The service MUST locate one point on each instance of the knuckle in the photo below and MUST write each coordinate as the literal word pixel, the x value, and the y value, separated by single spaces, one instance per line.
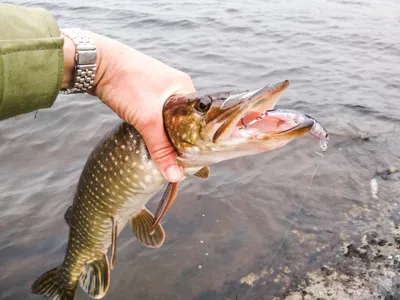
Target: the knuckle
pixel 163 152
pixel 187 79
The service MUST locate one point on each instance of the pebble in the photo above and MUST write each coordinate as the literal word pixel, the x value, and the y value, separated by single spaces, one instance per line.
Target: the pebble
pixel 374 188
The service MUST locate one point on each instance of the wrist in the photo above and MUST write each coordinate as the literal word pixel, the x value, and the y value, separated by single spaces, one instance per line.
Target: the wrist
pixel 97 40
pixel 81 61
pixel 69 61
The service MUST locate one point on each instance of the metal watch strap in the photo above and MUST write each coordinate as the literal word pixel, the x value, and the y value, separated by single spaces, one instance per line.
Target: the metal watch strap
pixel 85 61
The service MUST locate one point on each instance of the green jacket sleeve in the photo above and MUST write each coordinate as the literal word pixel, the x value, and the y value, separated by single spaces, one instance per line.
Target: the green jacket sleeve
pixel 31 60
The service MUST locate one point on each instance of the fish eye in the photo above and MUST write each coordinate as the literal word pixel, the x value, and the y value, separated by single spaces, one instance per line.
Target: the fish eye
pixel 202 105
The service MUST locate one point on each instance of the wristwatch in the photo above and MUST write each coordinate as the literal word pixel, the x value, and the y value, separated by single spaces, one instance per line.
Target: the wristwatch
pixel 85 61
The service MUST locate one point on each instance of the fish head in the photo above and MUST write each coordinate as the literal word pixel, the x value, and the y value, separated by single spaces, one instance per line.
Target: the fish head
pixel 206 129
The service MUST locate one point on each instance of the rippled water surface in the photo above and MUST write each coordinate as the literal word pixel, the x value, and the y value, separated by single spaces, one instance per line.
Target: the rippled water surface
pixel 342 60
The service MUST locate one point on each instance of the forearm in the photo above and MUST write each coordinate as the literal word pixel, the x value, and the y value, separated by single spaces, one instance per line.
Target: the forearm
pixel 31 60
pixel 69 61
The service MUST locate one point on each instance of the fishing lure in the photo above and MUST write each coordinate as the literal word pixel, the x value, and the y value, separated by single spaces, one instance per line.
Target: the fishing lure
pixel 318 131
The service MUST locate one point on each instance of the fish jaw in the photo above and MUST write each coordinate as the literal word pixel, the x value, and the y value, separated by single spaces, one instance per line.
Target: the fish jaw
pixel 244 143
pixel 207 129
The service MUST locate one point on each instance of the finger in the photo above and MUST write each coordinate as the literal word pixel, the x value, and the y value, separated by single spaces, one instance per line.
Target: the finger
pixel 162 152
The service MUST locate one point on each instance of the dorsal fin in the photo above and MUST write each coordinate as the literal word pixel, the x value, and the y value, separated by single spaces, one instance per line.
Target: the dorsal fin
pixel 68 216
pixel 95 280
pixel 203 173
pixel 141 226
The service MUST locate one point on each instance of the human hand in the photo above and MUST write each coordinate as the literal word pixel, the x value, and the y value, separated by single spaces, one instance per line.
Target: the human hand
pixel 135 86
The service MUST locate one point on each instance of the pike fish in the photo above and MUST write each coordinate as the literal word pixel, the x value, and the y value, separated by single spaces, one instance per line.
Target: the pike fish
pixel 119 178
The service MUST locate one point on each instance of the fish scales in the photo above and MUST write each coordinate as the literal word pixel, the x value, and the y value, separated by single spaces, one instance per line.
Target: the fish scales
pixel 107 188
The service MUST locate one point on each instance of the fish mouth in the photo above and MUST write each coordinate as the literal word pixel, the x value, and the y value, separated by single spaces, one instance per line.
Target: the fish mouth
pixel 248 118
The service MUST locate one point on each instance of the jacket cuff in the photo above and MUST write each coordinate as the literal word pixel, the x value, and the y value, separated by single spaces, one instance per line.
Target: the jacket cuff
pixel 31 60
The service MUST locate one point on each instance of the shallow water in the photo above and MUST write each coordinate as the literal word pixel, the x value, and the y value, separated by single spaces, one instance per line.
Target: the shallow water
pixel 341 58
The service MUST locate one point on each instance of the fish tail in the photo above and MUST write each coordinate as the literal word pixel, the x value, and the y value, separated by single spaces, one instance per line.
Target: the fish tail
pixel 51 286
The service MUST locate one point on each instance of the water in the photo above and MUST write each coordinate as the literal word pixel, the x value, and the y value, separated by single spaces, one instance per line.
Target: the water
pixel 341 58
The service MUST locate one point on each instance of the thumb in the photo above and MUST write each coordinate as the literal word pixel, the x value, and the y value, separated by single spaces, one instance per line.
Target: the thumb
pixel 162 152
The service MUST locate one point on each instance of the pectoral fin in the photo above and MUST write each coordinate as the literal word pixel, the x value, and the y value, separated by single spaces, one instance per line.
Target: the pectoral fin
pixel 114 233
pixel 203 173
pixel 68 215
pixel 141 226
pixel 166 201
pixel 95 279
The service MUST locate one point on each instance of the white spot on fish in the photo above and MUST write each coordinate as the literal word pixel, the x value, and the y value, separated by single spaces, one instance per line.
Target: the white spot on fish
pixel 135 176
pixel 141 167
pixel 206 254
pixel 126 158
pixel 201 242
pixel 147 178
pixel 374 188
pixel 121 171
pixel 203 215
pixel 200 266
pixel 137 151
pixel 122 146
